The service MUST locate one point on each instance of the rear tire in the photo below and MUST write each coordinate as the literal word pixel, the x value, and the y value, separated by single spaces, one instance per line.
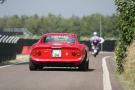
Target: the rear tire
pixel 84 66
pixel 32 66
pixel 87 65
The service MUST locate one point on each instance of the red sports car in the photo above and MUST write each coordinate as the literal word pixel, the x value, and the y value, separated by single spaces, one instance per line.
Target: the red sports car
pixel 59 50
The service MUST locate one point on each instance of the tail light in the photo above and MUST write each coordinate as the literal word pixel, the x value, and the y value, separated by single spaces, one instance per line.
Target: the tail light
pixel 76 53
pixel 73 53
pixel 36 53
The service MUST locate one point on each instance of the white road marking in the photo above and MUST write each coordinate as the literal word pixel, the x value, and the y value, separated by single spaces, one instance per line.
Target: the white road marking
pixel 12 64
pixel 6 66
pixel 106 77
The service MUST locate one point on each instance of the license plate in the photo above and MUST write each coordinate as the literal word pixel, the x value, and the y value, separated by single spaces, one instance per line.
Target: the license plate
pixel 56 53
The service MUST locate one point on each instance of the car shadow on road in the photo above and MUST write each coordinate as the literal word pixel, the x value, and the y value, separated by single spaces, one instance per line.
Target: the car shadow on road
pixel 64 69
pixel 68 69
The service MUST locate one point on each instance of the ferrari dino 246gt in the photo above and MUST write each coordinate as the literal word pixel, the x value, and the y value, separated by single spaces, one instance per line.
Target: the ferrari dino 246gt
pixel 59 50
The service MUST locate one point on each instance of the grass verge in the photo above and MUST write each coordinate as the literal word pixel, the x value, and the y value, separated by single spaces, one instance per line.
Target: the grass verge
pixel 127 78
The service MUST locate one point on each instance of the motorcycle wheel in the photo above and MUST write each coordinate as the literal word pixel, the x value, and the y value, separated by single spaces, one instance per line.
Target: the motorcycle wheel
pixel 95 55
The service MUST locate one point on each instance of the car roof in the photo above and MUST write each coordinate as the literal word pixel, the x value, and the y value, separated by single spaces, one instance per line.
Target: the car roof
pixel 53 34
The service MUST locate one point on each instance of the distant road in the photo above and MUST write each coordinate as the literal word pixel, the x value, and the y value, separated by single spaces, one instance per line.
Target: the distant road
pixel 18 77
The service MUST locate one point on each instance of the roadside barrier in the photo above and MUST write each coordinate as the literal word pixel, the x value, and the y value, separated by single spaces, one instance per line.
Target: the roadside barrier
pixel 108 45
pixel 26 50
pixel 24 45
pixel 8 47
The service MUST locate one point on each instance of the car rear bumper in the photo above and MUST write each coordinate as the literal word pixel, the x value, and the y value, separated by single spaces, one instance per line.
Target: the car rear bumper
pixel 57 62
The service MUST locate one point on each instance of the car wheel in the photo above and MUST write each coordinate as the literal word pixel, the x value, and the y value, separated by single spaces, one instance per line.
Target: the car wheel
pixel 87 65
pixel 84 66
pixel 32 66
pixel 95 55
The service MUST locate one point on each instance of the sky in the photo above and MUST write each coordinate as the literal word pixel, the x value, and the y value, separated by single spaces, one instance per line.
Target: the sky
pixel 66 8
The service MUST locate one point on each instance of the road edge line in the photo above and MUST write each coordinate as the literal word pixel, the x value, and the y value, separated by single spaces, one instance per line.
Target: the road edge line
pixel 12 65
pixel 5 66
pixel 106 76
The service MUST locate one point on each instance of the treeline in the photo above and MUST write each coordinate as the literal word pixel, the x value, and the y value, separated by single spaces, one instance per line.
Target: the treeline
pixel 83 26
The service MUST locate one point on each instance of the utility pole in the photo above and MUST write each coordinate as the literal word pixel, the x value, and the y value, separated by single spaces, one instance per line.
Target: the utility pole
pixel 100 26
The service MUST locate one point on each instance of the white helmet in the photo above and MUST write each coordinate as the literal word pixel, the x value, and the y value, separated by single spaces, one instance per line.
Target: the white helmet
pixel 94 33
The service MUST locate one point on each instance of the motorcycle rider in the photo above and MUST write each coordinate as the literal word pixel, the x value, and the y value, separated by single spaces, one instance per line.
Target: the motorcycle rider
pixel 96 38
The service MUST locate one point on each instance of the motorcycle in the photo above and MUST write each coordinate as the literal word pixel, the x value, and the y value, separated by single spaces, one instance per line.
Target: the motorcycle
pixel 95 48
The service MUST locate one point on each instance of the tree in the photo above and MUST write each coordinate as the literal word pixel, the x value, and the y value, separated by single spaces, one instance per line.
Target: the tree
pixel 126 10
pixel 13 22
pixel 83 26
pixel 3 23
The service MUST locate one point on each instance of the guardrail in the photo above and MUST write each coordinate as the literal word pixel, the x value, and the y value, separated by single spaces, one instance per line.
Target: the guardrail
pixel 8 48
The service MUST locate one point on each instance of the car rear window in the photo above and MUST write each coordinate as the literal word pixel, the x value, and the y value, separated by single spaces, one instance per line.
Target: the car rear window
pixel 59 39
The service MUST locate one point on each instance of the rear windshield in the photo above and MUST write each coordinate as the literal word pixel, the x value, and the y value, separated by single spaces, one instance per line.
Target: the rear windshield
pixel 59 39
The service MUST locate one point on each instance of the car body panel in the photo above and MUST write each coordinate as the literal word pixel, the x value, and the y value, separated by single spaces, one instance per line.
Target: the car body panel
pixel 59 52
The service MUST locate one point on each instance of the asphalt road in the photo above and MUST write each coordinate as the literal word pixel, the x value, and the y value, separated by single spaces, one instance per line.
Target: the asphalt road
pixel 18 77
